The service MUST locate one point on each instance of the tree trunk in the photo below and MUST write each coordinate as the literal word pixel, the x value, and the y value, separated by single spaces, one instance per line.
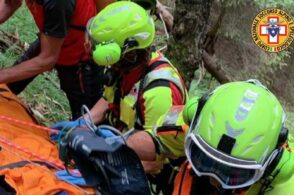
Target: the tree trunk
pixel 189 30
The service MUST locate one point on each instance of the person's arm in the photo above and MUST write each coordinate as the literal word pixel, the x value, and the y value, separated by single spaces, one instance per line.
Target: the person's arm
pixel 57 18
pixel 50 48
pixel 158 99
pixel 7 8
pixel 142 143
pixel 98 111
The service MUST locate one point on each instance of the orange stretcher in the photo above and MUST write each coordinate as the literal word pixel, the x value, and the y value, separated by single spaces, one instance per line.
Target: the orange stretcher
pixel 28 158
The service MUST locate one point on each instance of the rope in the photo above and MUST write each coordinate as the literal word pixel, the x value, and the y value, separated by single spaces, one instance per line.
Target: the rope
pixel 90 124
pixel 58 165
pixel 12 120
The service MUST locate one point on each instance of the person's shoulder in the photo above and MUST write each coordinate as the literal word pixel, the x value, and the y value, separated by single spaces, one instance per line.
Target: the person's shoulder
pixel 284 181
pixel 286 188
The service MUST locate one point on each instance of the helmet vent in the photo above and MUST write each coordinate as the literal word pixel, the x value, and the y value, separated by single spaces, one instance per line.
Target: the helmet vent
pixel 247 149
pixel 108 29
pixel 211 124
pixel 101 19
pixel 138 17
pixel 276 110
pixel 142 35
pixel 247 103
pixel 232 131
pixel 95 26
pixel 257 139
pixel 132 23
pixel 150 21
pixel 212 119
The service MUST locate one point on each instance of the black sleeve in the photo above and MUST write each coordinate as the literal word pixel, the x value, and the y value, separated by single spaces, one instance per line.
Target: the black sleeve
pixel 57 17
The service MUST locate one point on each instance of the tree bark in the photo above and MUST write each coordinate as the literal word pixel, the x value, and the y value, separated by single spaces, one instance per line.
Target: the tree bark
pixel 161 11
pixel 189 30
pixel 216 71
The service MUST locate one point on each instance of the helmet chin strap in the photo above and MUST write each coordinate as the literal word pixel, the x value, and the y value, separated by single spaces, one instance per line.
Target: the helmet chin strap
pixel 125 65
pixel 140 57
pixel 131 61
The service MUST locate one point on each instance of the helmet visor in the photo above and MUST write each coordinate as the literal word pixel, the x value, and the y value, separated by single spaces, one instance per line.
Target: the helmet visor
pixel 230 172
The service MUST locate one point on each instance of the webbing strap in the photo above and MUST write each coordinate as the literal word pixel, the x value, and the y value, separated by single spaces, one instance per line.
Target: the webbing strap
pixel 24 163
pixel 139 117
pixel 78 28
pixel 149 77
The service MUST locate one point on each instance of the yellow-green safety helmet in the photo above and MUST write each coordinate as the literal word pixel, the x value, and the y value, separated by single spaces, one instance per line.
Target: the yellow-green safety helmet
pixel 119 28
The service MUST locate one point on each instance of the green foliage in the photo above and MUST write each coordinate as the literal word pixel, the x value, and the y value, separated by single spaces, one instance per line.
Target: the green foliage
pixel 236 3
pixel 278 60
pixel 22 25
pixel 8 57
pixel 261 4
pixel 237 31
pixel 47 101
pixel 290 121
pixel 283 4
pixel 243 35
pixel 160 38
pixel 202 84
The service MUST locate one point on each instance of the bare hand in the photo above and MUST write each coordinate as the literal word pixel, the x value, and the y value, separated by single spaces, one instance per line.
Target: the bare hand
pixel 152 166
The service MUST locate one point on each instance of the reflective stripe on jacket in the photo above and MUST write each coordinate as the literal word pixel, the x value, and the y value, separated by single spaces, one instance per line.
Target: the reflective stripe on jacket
pixel 127 104
pixel 169 133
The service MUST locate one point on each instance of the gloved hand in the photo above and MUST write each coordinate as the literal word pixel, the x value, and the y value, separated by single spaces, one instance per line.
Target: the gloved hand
pixel 104 132
pixel 66 125
pixel 64 176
